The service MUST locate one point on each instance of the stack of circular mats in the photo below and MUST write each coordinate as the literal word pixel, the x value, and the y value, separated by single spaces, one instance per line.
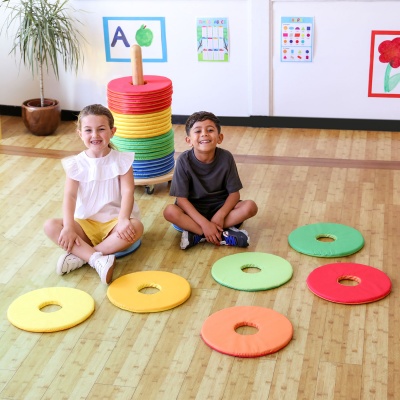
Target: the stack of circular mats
pixel 142 115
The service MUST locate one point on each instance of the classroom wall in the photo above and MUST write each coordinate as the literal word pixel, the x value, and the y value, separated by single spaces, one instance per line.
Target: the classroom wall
pixel 335 84
pixel 254 82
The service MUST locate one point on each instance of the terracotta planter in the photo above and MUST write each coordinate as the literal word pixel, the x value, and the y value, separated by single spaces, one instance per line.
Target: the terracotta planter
pixel 41 121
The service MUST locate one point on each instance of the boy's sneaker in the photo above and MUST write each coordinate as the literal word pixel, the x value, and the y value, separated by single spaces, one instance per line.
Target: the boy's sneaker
pixel 68 262
pixel 190 239
pixel 104 266
pixel 235 237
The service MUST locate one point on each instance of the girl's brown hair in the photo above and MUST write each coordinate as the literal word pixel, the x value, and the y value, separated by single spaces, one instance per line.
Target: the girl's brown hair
pixel 95 109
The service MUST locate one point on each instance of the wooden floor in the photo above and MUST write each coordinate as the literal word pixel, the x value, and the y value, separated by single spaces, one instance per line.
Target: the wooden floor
pixel 297 177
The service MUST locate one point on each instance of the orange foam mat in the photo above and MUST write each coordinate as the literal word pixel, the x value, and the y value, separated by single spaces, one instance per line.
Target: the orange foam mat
pixel 274 331
pixel 125 292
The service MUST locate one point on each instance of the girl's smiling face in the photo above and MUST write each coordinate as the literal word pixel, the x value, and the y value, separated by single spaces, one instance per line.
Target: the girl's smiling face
pixel 96 134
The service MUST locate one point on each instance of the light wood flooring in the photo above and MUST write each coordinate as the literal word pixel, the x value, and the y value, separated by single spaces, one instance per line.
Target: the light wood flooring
pixel 297 177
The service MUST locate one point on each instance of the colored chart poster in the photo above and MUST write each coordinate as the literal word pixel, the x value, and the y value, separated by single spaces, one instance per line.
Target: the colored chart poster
pixel 297 36
pixel 212 39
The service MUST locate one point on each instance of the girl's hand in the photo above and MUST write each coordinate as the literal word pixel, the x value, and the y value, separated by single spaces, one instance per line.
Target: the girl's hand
pixel 68 239
pixel 125 230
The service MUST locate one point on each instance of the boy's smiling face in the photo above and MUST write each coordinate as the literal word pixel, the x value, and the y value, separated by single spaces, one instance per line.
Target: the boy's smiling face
pixel 204 138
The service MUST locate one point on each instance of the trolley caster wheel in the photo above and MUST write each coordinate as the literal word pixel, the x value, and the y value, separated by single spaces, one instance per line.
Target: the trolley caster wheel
pixel 149 189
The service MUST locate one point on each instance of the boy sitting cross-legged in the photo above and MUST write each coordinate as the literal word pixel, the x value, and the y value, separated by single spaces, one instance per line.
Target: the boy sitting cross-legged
pixel 206 185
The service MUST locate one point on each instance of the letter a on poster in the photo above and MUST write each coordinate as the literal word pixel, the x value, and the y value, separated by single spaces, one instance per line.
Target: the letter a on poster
pixel 297 36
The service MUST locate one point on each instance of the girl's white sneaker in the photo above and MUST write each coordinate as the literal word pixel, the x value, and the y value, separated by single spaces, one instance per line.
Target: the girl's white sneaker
pixel 104 266
pixel 68 262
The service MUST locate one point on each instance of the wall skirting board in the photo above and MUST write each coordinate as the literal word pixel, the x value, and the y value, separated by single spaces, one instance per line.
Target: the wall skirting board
pixel 263 121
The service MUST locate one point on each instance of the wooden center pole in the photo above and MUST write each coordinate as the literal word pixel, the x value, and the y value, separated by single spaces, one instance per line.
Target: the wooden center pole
pixel 137 66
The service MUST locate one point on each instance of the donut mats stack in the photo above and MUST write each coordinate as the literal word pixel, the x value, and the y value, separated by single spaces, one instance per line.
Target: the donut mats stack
pixel 141 106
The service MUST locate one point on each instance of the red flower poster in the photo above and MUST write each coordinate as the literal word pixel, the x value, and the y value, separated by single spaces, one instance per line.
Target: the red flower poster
pixel 384 67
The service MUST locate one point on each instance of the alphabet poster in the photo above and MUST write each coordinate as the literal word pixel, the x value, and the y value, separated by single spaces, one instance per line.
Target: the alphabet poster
pixel 120 33
pixel 297 36
pixel 212 39
pixel 384 67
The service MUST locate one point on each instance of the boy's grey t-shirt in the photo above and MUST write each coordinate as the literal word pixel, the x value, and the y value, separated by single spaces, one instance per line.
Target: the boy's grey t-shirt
pixel 205 185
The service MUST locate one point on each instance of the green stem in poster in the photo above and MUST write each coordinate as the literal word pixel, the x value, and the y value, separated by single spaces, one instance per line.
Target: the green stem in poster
pixel 390 82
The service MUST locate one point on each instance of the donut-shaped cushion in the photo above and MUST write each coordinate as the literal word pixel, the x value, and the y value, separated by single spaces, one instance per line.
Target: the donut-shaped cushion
pixel 136 98
pixel 25 311
pixel 125 128
pixel 274 331
pixel 345 240
pixel 133 247
pixel 142 103
pixel 124 292
pixel 176 227
pixel 143 118
pixel 147 133
pixel 146 169
pixel 155 155
pixel 154 96
pixel 230 271
pixel 147 143
pixel 147 148
pixel 152 83
pixel 372 283
pixel 144 109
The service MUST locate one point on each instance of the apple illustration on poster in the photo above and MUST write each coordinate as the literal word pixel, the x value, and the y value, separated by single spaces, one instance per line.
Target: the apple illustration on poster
pixel 144 36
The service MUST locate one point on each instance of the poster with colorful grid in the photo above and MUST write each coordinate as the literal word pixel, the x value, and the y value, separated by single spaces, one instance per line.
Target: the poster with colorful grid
pixel 297 36
pixel 212 39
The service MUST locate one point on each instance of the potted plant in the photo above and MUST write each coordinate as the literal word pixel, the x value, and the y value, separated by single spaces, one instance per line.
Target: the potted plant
pixel 45 36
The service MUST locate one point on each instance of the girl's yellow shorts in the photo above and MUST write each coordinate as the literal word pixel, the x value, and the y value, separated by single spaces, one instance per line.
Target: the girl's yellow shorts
pixel 96 231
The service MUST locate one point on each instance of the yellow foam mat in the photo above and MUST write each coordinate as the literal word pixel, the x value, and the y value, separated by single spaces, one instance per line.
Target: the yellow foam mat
pixel 149 117
pixel 127 134
pixel 165 127
pixel 143 126
pixel 125 292
pixel 25 311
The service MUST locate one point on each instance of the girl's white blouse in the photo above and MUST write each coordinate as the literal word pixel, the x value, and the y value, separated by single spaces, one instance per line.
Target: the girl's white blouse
pixel 99 192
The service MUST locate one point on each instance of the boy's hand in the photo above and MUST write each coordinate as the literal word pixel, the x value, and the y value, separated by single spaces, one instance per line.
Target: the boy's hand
pixel 212 232
pixel 125 230
pixel 68 238
pixel 218 220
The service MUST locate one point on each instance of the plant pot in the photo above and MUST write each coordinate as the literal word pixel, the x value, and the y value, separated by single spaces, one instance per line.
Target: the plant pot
pixel 41 121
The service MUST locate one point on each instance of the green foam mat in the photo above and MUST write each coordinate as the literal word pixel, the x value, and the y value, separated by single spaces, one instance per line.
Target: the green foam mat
pixel 311 240
pixel 273 271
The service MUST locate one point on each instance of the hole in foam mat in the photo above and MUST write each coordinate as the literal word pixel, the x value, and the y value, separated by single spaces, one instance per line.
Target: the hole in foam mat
pixel 250 268
pixel 326 238
pixel 349 280
pixel 50 307
pixel 149 288
pixel 246 329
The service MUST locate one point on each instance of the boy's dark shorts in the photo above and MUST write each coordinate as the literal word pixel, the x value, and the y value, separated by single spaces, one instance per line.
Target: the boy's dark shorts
pixel 210 210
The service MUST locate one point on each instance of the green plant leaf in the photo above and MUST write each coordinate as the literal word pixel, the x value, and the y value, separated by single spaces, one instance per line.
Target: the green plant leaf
pixel 46 36
pixel 393 81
